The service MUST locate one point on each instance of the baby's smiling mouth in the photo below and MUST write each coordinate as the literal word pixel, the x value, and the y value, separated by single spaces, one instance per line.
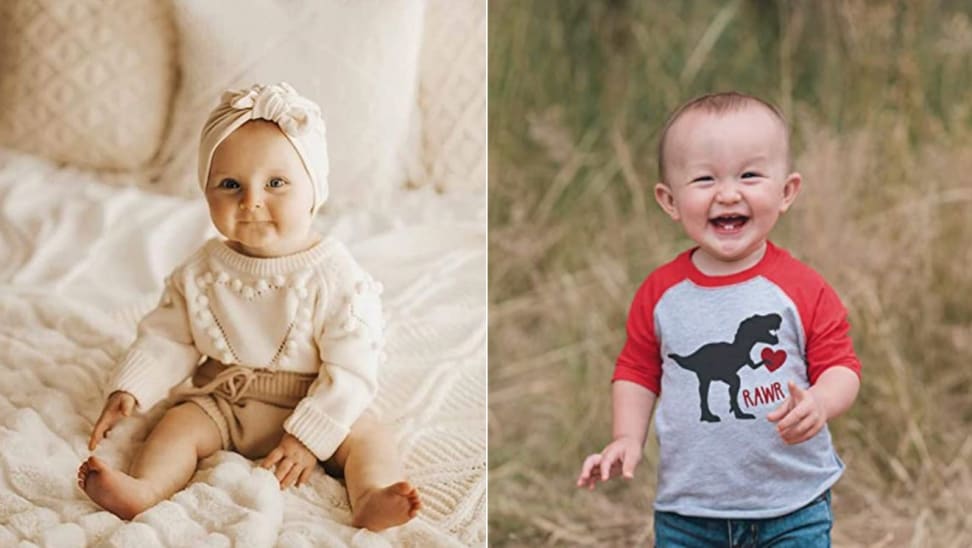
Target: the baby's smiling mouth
pixel 729 224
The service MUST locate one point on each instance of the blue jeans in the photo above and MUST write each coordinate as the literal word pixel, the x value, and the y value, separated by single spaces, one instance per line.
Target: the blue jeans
pixel 807 527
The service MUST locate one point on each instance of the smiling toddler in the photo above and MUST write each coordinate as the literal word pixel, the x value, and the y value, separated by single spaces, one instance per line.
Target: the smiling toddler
pixel 745 349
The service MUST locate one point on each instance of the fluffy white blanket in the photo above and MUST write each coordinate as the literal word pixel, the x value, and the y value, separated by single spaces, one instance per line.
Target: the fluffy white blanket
pixel 70 294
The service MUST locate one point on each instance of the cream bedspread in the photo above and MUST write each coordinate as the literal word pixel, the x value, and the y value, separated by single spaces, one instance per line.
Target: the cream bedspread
pixel 81 261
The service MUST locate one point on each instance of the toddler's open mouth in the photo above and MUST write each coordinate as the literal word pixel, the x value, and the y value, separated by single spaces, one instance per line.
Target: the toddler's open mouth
pixel 728 224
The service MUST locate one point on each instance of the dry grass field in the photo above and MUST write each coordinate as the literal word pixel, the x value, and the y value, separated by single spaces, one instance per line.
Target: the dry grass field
pixel 879 94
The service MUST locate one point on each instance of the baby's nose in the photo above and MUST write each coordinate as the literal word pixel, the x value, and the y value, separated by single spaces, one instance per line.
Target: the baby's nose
pixel 251 200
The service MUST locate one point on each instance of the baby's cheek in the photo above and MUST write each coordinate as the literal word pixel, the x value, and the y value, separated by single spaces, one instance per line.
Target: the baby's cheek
pixel 220 217
pixel 295 220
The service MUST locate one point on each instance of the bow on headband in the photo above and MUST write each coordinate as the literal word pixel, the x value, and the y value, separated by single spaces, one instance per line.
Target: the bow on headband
pixel 279 103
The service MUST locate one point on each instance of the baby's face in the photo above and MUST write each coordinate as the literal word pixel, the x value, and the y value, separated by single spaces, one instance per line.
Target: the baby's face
pixel 259 194
pixel 727 183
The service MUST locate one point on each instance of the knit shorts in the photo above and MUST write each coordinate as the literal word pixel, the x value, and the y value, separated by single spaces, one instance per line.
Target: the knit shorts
pixel 249 406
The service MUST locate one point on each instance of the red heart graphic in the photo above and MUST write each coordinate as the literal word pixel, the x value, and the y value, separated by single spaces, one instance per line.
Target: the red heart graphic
pixel 773 358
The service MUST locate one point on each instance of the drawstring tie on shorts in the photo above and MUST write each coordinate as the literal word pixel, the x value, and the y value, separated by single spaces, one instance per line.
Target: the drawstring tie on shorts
pixel 237 379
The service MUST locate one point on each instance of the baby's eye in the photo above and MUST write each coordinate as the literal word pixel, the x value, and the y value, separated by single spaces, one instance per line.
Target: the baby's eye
pixel 276 182
pixel 703 179
pixel 228 183
pixel 750 175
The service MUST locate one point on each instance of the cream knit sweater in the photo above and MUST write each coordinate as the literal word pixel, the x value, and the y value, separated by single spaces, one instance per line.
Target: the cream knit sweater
pixel 316 311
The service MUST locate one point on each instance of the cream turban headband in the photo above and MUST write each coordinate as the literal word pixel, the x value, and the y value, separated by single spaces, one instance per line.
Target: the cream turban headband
pixel 298 117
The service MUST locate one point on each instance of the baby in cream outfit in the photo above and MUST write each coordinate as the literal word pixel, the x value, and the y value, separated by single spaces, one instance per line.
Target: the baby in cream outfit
pixel 278 326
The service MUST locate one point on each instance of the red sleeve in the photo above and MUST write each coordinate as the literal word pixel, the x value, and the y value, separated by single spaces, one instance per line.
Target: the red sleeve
pixel 824 318
pixel 828 336
pixel 640 361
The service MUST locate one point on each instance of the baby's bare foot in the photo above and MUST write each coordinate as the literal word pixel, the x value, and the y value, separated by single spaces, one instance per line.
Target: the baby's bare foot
pixel 114 490
pixel 381 508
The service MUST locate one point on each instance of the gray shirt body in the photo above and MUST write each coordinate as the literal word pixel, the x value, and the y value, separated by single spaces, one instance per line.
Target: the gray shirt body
pixel 736 467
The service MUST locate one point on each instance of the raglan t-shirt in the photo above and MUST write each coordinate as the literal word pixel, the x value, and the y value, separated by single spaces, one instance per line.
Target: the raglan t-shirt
pixel 719 352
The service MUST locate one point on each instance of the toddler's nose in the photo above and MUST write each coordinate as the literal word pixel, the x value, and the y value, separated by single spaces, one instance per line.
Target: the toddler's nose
pixel 728 193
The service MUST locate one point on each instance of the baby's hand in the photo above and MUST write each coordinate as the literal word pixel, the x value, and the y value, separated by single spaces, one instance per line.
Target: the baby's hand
pixel 119 405
pixel 293 460
pixel 800 417
pixel 620 457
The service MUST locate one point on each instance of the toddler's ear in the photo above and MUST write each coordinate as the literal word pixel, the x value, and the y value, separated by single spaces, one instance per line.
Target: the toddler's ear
pixel 665 198
pixel 791 187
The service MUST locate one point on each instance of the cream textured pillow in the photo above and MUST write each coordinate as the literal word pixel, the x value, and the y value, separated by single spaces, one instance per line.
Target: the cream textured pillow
pixel 452 94
pixel 86 82
pixel 358 60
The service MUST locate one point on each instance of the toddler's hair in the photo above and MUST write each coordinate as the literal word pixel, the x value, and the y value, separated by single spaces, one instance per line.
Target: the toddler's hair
pixel 718 103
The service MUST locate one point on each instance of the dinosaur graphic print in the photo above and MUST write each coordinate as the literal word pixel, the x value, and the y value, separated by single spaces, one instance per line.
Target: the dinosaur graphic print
pixel 721 361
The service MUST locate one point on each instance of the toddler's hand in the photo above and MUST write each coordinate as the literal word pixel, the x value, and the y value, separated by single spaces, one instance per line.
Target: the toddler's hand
pixel 119 405
pixel 620 457
pixel 293 460
pixel 800 417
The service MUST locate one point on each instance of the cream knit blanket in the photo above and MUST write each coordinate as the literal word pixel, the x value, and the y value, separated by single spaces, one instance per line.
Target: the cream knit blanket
pixel 55 356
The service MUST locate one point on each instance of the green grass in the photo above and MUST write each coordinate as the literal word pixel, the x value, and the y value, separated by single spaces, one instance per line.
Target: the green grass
pixel 878 97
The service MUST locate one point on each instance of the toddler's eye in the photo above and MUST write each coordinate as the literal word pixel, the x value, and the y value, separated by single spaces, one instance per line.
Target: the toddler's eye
pixel 276 182
pixel 228 183
pixel 750 175
pixel 703 179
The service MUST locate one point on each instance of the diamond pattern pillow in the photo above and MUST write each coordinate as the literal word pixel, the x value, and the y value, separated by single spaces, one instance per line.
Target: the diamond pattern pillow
pixel 86 82
pixel 358 60
pixel 452 94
